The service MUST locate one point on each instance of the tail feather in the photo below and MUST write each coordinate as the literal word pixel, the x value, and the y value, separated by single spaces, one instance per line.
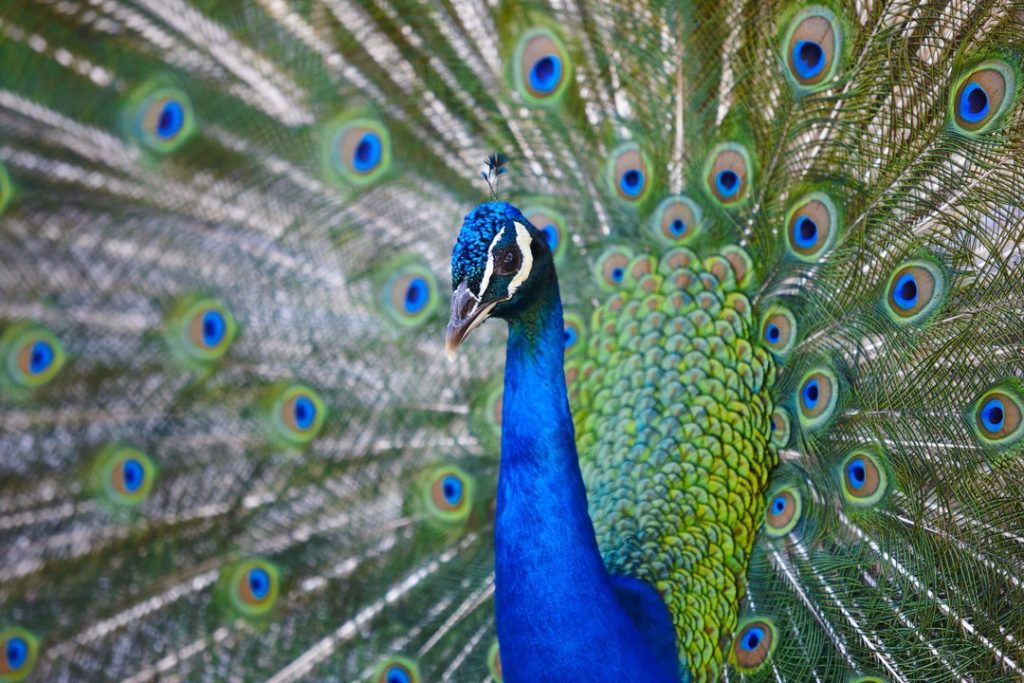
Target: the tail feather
pixel 299 169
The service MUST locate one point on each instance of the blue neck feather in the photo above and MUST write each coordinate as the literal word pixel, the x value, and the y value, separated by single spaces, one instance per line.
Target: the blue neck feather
pixel 560 614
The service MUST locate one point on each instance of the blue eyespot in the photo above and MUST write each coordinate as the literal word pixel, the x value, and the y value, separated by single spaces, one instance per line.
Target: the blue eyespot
pixel 632 182
pixel 993 415
pixel 541 68
pixel 398 674
pixel 806 232
pixel 305 412
pixel 16 652
pixel 808 58
pixel 367 153
pixel 451 487
pixel 727 182
pixel 904 292
pixel 618 274
pixel 857 474
pixel 546 74
pixel 448 493
pixel 254 586
pixel 628 173
pixel 677 227
pixel 754 643
pixel 550 233
pixel 779 504
pixel 170 120
pixel 397 670
pixel 40 357
pixel 133 475
pixel 752 638
pixel 772 333
pixel 973 105
pixel 783 512
pixel 982 96
pixel 417 294
pixel 810 394
pixel 570 336
pixel 214 327
pixel 259 583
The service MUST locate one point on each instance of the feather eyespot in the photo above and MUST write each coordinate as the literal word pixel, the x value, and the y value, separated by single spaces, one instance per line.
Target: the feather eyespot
pixel 125 475
pixel 677 221
pixel 254 586
pixel 728 173
pixel 982 95
pixel 915 291
pixel 628 173
pixel 19 649
pixel 780 428
pixel 494 662
pixel 863 477
pixel 163 118
pixel 782 512
pixel 996 416
pixel 551 225
pixel 359 150
pixel 207 330
pixel 778 330
pixel 297 415
pixel 542 68
pixel 449 494
pixel 611 267
pixel 753 644
pixel 410 295
pixel 812 48
pixel 397 670
pixel 574 332
pixel 34 355
pixel 817 397
pixel 492 407
pixel 812 227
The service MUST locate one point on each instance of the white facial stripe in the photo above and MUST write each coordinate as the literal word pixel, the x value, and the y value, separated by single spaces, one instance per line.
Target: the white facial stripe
pixel 523 241
pixel 489 268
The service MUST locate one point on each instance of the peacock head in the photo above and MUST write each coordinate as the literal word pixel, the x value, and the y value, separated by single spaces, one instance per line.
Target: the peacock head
pixel 498 262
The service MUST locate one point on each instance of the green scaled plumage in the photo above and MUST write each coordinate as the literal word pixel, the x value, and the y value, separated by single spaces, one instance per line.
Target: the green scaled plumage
pixel 299 169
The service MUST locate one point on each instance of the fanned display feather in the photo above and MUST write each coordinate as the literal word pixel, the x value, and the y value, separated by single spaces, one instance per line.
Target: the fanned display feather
pixel 789 242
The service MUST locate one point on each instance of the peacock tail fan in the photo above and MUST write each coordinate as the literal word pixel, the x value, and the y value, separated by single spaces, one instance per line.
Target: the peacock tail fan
pixel 789 242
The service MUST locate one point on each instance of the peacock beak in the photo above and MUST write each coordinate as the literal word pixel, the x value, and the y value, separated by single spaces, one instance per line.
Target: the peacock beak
pixel 467 313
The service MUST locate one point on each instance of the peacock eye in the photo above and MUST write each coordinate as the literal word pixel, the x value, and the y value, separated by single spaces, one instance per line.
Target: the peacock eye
pixel 126 475
pixel 864 479
pixel 18 651
pixel 449 494
pixel 753 644
pixel 494 662
pixel 812 227
pixel 254 586
pixel 812 48
pixel 982 96
pixel 397 670
pixel 783 512
pixel 508 261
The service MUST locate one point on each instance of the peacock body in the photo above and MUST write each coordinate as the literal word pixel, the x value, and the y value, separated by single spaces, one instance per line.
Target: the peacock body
pixel 764 424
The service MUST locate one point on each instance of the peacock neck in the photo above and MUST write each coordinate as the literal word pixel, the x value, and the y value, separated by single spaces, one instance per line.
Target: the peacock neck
pixel 542 503
pixel 560 615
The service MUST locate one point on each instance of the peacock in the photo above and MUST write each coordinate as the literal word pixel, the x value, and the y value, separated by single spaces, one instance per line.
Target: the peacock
pixel 749 408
